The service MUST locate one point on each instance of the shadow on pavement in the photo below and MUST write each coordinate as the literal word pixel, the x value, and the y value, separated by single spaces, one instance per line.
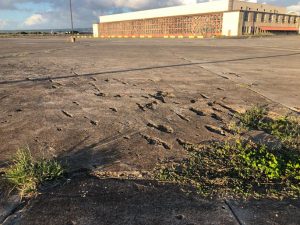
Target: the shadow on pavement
pixel 89 200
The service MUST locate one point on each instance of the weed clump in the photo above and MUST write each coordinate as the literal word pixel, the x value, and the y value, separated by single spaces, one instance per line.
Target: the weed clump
pixel 240 168
pixel 286 129
pixel 252 118
pixel 26 175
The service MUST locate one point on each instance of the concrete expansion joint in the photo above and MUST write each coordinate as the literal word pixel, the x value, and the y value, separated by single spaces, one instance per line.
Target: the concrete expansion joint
pixel 233 212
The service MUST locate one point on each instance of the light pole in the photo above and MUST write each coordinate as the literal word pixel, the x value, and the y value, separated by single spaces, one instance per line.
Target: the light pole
pixel 71 14
pixel 72 26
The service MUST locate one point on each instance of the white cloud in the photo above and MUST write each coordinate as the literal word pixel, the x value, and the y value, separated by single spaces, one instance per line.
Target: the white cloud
pixel 55 13
pixel 3 23
pixel 35 19
pixel 295 8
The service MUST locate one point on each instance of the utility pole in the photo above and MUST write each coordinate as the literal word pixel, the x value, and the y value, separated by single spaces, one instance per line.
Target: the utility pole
pixel 71 13
pixel 72 26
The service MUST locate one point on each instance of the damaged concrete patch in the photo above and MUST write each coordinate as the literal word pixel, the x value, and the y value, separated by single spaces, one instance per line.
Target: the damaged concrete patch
pixel 156 141
pixel 197 111
pixel 215 129
pixel 162 128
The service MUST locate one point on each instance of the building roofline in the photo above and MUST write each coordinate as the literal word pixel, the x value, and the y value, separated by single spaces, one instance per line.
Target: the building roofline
pixel 204 7
pixel 192 9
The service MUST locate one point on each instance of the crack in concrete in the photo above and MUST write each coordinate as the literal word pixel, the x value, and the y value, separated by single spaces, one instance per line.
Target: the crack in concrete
pixel 233 213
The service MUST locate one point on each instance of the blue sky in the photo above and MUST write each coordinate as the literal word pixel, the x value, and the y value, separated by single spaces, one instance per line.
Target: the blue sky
pixel 50 14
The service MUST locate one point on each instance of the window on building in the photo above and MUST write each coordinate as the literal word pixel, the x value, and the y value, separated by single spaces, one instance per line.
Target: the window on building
pixel 262 19
pixel 244 30
pixel 255 15
pixel 246 16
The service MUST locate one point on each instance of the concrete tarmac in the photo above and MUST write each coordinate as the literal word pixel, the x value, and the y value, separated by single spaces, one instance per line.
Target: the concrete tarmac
pixel 90 104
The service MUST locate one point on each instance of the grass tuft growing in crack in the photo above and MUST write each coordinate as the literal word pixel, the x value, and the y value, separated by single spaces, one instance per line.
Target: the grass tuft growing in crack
pixel 253 117
pixel 26 175
pixel 237 168
pixel 286 129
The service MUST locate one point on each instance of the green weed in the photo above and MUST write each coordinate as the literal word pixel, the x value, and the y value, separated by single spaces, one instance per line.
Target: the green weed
pixel 26 175
pixel 253 117
pixel 239 168
pixel 286 129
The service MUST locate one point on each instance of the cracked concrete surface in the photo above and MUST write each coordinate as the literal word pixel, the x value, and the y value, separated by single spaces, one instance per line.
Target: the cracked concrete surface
pixel 89 105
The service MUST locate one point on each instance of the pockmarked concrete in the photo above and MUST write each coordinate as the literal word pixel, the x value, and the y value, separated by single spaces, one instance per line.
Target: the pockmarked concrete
pixel 119 106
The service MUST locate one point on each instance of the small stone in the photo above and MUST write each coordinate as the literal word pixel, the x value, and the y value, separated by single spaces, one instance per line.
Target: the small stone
pixel 185 118
pixel 76 103
pixel 214 129
pixel 67 114
pixel 216 117
pixel 165 129
pixel 93 78
pixel 93 122
pixel 113 109
pixel 141 107
pixel 204 96
pixel 197 111
pixel 145 96
pixel 152 105
pixel 100 94
pixel 180 217
pixel 156 141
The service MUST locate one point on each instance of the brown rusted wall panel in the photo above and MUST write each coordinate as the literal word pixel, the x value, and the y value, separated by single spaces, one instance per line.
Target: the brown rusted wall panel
pixel 195 25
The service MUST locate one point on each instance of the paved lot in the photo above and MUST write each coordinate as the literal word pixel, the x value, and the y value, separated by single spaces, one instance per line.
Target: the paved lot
pixel 93 105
